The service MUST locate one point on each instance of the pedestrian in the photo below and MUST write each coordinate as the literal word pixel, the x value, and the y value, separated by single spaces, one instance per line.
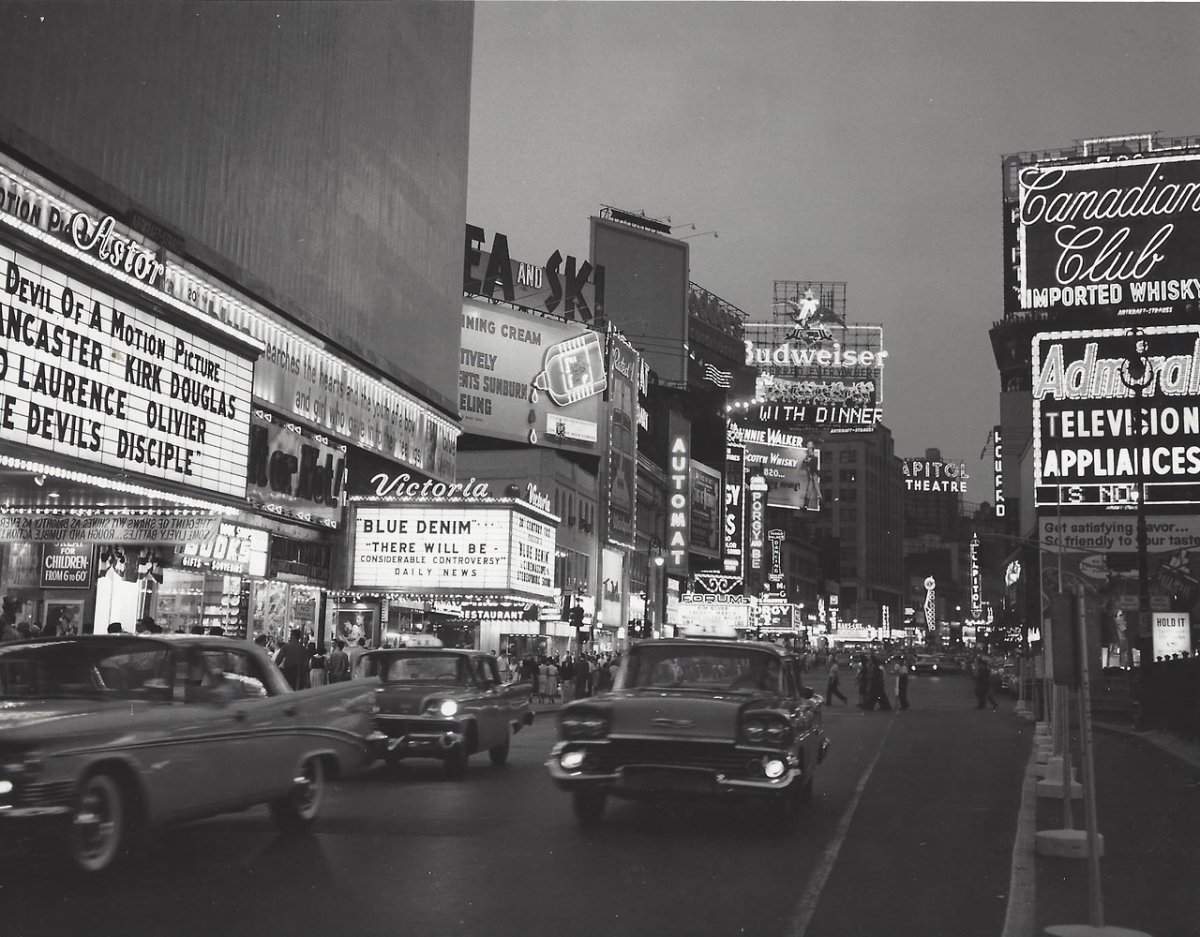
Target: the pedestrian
pixel 293 660
pixel 831 684
pixel 316 666
pixel 983 684
pixel 550 680
pixel 582 677
pixel 566 678
pixel 355 653
pixel 337 666
pixel 876 690
pixel 863 677
pixel 901 672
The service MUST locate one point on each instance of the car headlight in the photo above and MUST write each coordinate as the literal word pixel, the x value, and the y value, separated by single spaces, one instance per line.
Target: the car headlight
pixel 766 729
pixel 442 707
pixel 582 723
pixel 572 759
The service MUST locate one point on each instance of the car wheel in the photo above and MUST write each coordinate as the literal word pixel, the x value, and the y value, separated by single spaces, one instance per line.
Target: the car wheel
pixel 455 763
pixel 589 807
pixel 784 809
pixel 499 753
pixel 300 806
pixel 806 792
pixel 100 826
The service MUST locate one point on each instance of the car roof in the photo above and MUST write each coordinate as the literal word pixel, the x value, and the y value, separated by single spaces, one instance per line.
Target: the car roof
pixel 426 651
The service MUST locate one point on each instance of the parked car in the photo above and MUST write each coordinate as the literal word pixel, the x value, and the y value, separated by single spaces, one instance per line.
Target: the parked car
pixel 444 703
pixel 103 737
pixel 692 717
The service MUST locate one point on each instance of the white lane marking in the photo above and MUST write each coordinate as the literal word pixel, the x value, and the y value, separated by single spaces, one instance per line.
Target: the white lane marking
pixel 1018 918
pixel 798 923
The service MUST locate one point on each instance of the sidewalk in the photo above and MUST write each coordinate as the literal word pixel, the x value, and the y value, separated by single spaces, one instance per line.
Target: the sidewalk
pixel 1148 812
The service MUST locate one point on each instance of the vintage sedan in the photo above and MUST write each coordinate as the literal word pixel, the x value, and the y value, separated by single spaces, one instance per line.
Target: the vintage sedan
pixel 445 703
pixel 692 717
pixel 104 737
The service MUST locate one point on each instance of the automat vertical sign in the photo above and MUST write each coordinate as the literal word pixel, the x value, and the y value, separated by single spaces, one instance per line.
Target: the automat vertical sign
pixel 679 459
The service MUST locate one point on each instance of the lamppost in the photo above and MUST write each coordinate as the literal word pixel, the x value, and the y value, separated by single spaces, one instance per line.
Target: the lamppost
pixel 654 564
pixel 1136 375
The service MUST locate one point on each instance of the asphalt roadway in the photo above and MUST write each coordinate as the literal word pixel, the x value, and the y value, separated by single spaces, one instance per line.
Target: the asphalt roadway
pixel 917 828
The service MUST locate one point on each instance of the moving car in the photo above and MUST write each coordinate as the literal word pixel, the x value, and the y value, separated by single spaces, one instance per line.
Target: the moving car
pixel 444 703
pixel 692 717
pixel 935 665
pixel 103 737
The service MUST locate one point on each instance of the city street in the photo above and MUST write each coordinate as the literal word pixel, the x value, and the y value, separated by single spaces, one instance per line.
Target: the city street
pixel 911 830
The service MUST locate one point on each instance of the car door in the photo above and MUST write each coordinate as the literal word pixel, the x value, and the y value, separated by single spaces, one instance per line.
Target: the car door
pixel 492 723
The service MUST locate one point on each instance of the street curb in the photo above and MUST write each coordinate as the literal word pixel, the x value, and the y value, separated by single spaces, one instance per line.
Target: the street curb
pixel 1019 916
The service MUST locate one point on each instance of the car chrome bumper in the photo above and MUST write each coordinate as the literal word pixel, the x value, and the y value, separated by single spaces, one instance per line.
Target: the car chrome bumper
pixel 640 779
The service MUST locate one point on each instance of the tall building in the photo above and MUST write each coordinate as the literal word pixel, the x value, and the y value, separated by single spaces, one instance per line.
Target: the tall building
pixel 248 217
pixel 862 495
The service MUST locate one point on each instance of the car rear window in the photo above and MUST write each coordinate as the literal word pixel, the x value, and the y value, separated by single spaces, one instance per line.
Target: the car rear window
pixel 95 670
pixel 422 668
pixel 700 667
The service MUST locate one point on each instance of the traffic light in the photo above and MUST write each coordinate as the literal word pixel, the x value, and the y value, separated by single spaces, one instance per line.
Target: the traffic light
pixel 577 616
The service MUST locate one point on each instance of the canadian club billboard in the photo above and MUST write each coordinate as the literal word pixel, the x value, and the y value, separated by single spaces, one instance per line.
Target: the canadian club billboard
pixel 1115 233
pixel 1090 446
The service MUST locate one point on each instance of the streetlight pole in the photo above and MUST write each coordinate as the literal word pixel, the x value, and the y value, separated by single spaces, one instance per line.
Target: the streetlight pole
pixel 1136 375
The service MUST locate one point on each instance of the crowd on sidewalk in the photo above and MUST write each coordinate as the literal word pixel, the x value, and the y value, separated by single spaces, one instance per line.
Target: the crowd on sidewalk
pixel 564 677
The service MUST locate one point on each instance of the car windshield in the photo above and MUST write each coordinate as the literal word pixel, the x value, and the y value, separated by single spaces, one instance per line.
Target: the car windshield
pixel 415 668
pixel 103 669
pixel 700 667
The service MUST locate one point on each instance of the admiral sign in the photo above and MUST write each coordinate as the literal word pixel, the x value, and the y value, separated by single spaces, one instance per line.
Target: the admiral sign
pixel 1088 451
pixel 1120 234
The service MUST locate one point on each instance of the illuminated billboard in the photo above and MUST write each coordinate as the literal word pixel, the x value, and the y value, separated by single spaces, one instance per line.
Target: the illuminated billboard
pixel 1117 236
pixel 790 467
pixel 829 377
pixel 623 372
pixel 530 379
pixel 443 548
pixel 88 376
pixel 707 510
pixel 1088 449
pixel 936 475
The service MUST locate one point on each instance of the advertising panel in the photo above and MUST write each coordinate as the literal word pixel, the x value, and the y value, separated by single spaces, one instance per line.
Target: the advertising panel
pixel 566 288
pixel 998 471
pixel 86 375
pixel 709 615
pixel 293 472
pixel 66 566
pixel 733 532
pixel 816 372
pixel 646 291
pixel 706 518
pixel 1090 450
pixel 623 372
pixel 1100 550
pixel 756 487
pixel 1118 236
pixel 935 475
pixel 528 379
pixel 790 466
pixel 679 476
pixel 447 549
pixel 1172 634
pixel 106 528
pixel 234 549
pixel 301 380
